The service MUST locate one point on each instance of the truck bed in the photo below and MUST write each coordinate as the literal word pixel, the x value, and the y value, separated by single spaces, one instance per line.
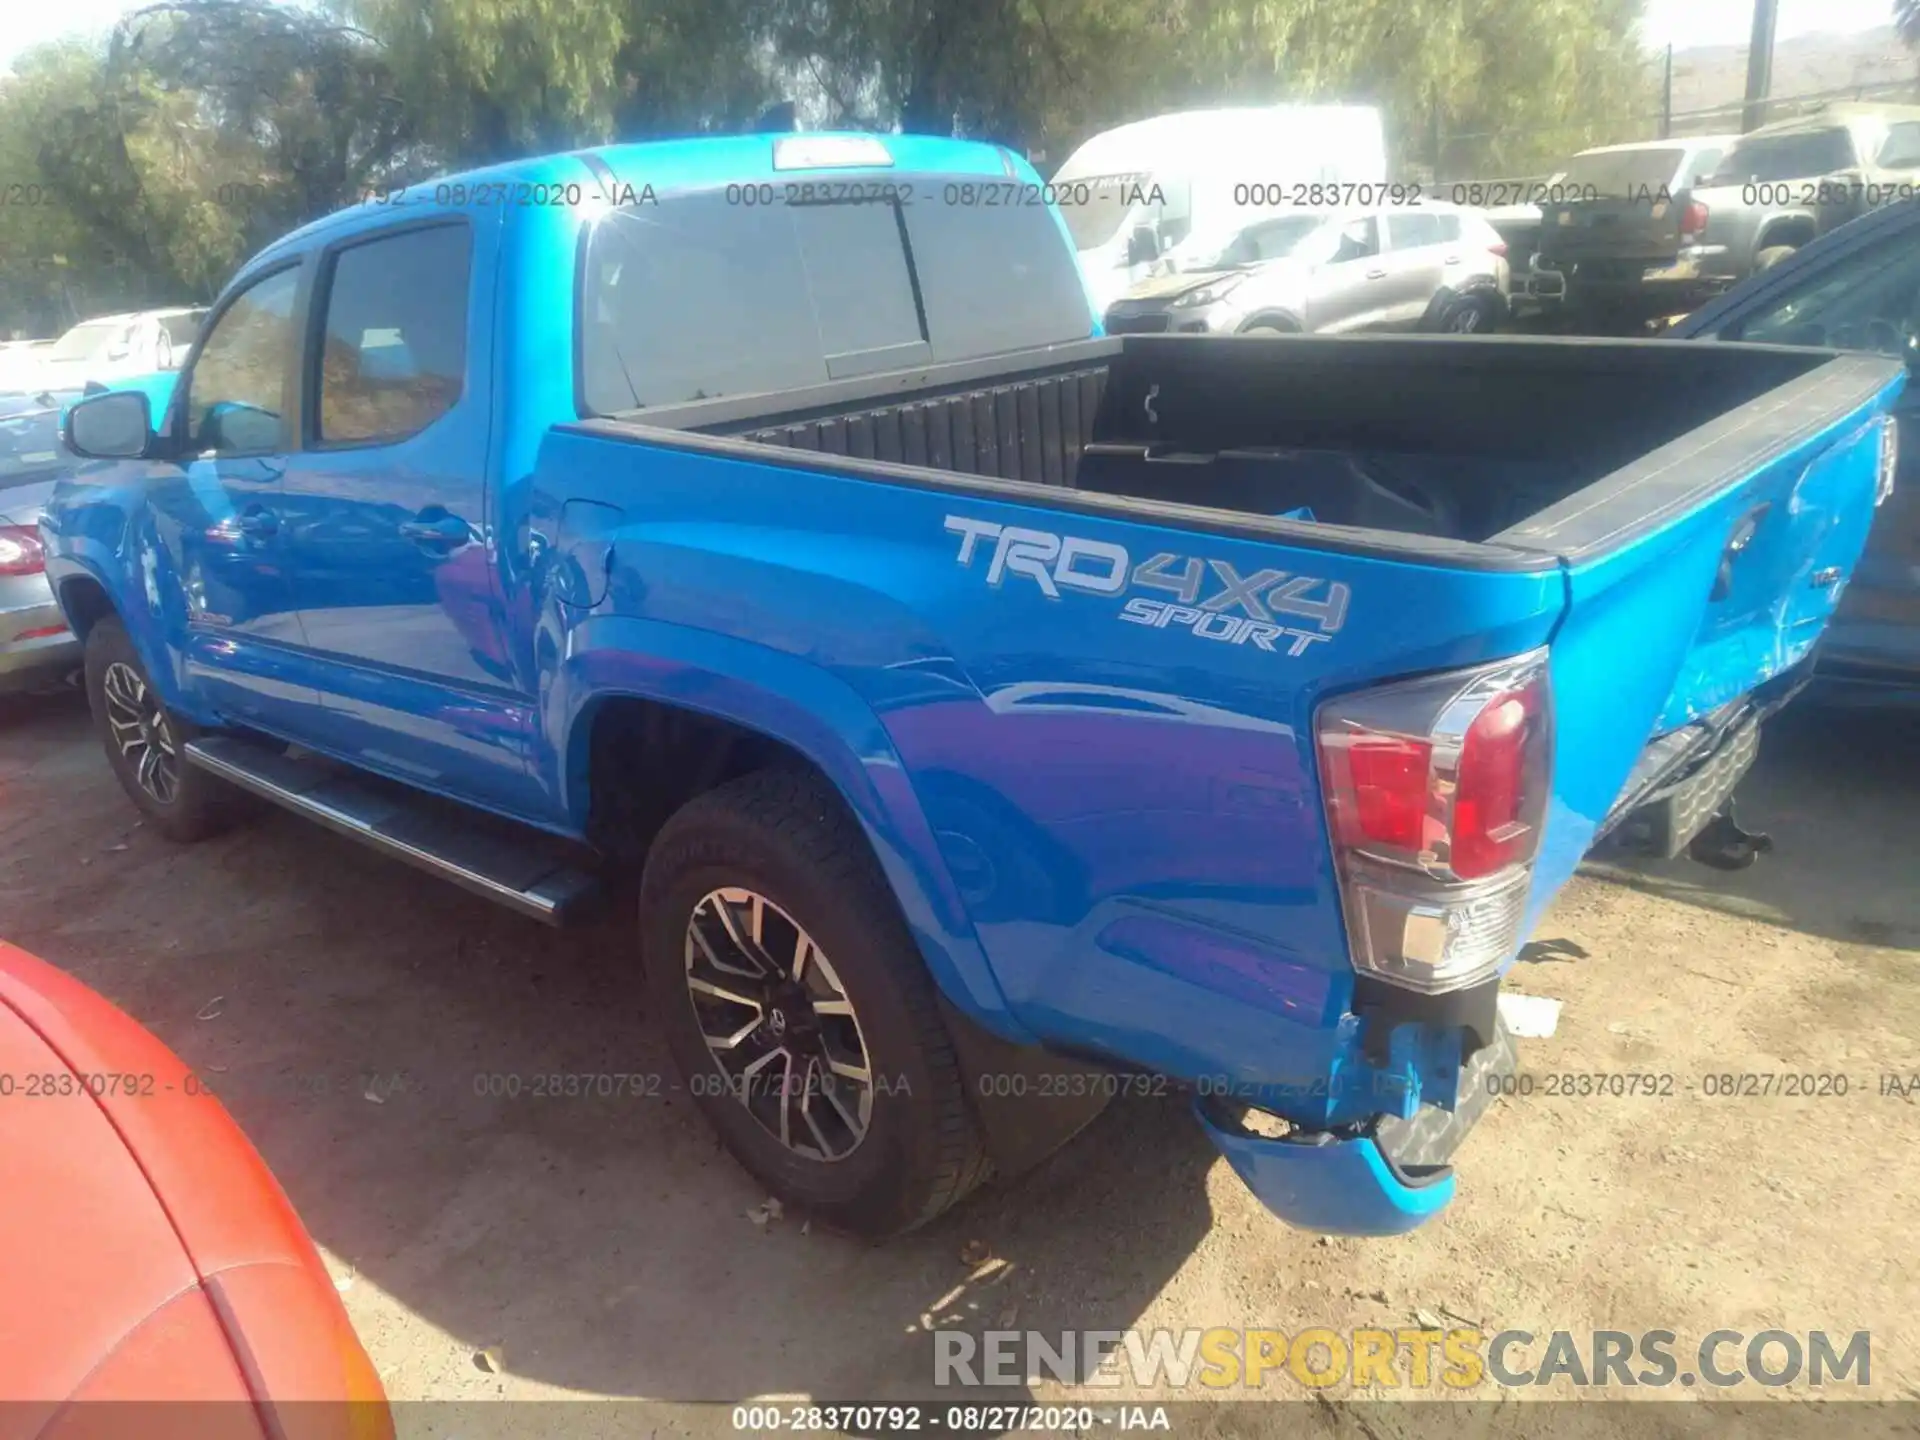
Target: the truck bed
pixel 1507 444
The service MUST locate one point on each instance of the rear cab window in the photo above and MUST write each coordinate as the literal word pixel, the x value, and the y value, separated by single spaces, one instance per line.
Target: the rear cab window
pixel 1622 174
pixel 1805 155
pixel 694 298
pixel 30 448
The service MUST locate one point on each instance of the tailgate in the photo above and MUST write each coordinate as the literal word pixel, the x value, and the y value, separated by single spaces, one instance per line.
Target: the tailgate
pixel 1704 570
pixel 1645 227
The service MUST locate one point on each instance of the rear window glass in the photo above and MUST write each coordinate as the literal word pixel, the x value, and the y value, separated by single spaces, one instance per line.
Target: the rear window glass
pixel 30 446
pixel 1622 173
pixel 694 298
pixel 1785 157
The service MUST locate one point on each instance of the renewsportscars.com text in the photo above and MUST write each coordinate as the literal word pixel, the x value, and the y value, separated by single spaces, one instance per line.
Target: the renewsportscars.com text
pixel 1406 1358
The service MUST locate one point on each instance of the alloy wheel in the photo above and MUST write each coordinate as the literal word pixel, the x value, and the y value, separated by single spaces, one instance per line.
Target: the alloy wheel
pixel 778 1024
pixel 140 730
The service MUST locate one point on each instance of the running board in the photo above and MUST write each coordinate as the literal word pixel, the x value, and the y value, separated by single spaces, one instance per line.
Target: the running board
pixel 517 873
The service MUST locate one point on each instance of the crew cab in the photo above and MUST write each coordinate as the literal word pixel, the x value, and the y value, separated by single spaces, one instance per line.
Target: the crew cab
pixel 993 717
pixel 1781 186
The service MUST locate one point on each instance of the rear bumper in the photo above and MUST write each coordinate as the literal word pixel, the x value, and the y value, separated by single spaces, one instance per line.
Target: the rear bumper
pixel 1655 286
pixel 35 644
pixel 1385 1178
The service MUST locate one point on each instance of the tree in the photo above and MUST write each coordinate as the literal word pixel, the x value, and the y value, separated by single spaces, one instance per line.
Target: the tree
pixel 495 79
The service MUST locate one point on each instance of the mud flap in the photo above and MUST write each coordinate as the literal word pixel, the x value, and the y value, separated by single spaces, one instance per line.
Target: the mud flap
pixel 1029 1102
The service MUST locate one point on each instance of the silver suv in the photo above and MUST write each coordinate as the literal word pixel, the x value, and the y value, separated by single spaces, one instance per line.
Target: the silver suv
pixel 1431 266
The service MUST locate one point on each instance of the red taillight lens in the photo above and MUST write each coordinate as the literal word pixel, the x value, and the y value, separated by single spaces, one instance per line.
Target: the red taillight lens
pixel 20 552
pixel 1498 247
pixel 1693 220
pixel 1489 827
pixel 1436 793
pixel 1388 780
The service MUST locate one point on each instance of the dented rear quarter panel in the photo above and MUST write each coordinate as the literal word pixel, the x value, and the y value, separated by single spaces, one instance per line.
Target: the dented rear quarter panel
pixel 1125 818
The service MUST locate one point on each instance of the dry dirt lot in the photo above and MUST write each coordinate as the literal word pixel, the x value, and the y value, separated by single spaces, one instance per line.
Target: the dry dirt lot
pixel 344 1006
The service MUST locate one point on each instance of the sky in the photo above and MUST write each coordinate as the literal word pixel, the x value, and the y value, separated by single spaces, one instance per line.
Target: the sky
pixel 1681 23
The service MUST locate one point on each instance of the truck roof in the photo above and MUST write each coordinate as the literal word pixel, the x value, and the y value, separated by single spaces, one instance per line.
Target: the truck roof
pixel 1837 112
pixel 1187 135
pixel 629 169
pixel 1676 142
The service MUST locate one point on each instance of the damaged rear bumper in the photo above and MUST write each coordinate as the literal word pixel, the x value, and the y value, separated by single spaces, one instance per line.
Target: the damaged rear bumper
pixel 1383 1178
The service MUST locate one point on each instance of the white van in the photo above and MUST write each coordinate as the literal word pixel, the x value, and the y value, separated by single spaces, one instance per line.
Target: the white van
pixel 1132 193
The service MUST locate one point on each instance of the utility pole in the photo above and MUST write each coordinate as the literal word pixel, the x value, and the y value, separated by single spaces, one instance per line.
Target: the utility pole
pixel 1666 99
pixel 1759 64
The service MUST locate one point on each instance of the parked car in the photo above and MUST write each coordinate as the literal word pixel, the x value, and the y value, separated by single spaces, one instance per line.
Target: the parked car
pixel 996 718
pixel 114 347
pixel 1616 228
pixel 19 361
pixel 1130 193
pixel 154 1266
pixel 35 644
pixel 1857 288
pixel 1434 267
pixel 1783 185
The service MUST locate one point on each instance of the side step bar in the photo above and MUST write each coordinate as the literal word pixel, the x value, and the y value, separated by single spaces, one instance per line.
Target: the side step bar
pixel 517 873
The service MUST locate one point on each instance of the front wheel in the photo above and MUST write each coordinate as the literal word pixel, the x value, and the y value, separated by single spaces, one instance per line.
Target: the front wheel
pixel 144 743
pixel 798 1010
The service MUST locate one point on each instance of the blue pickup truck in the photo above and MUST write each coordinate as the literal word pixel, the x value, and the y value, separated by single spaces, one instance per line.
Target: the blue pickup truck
pixel 984 718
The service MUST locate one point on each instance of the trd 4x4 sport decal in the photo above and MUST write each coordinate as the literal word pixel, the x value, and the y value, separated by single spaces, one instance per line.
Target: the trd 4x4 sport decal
pixel 1097 567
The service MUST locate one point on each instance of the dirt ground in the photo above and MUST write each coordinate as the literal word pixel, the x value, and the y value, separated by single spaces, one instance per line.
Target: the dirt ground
pixel 349 1009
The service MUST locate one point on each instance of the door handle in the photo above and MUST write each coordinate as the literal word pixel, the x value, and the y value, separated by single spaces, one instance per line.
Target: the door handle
pixel 441 531
pixel 1452 260
pixel 1376 274
pixel 257 523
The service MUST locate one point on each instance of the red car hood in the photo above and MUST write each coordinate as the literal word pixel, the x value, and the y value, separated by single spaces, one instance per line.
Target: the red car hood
pixel 147 1252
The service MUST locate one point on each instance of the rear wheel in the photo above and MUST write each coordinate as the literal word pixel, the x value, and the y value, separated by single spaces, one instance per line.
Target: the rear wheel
pixel 798 1010
pixel 1269 328
pixel 1468 315
pixel 145 742
pixel 1772 256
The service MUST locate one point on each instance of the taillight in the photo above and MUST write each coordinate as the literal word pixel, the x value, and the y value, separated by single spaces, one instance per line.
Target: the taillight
pixel 20 552
pixel 1693 222
pixel 1436 793
pixel 1498 247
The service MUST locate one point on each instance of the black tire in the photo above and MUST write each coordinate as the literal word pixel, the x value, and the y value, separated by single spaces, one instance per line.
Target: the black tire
pixel 195 805
pixel 783 835
pixel 1469 315
pixel 1772 256
pixel 1268 327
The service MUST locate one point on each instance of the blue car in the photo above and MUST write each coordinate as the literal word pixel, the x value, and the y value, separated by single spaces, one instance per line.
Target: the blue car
pixel 993 717
pixel 1856 288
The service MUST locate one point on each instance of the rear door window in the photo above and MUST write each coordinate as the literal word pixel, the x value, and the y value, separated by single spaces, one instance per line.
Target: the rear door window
pixel 394 350
pixel 1411 230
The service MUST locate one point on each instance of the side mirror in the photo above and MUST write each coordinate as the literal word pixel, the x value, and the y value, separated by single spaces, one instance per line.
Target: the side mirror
pixel 114 426
pixel 1143 246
